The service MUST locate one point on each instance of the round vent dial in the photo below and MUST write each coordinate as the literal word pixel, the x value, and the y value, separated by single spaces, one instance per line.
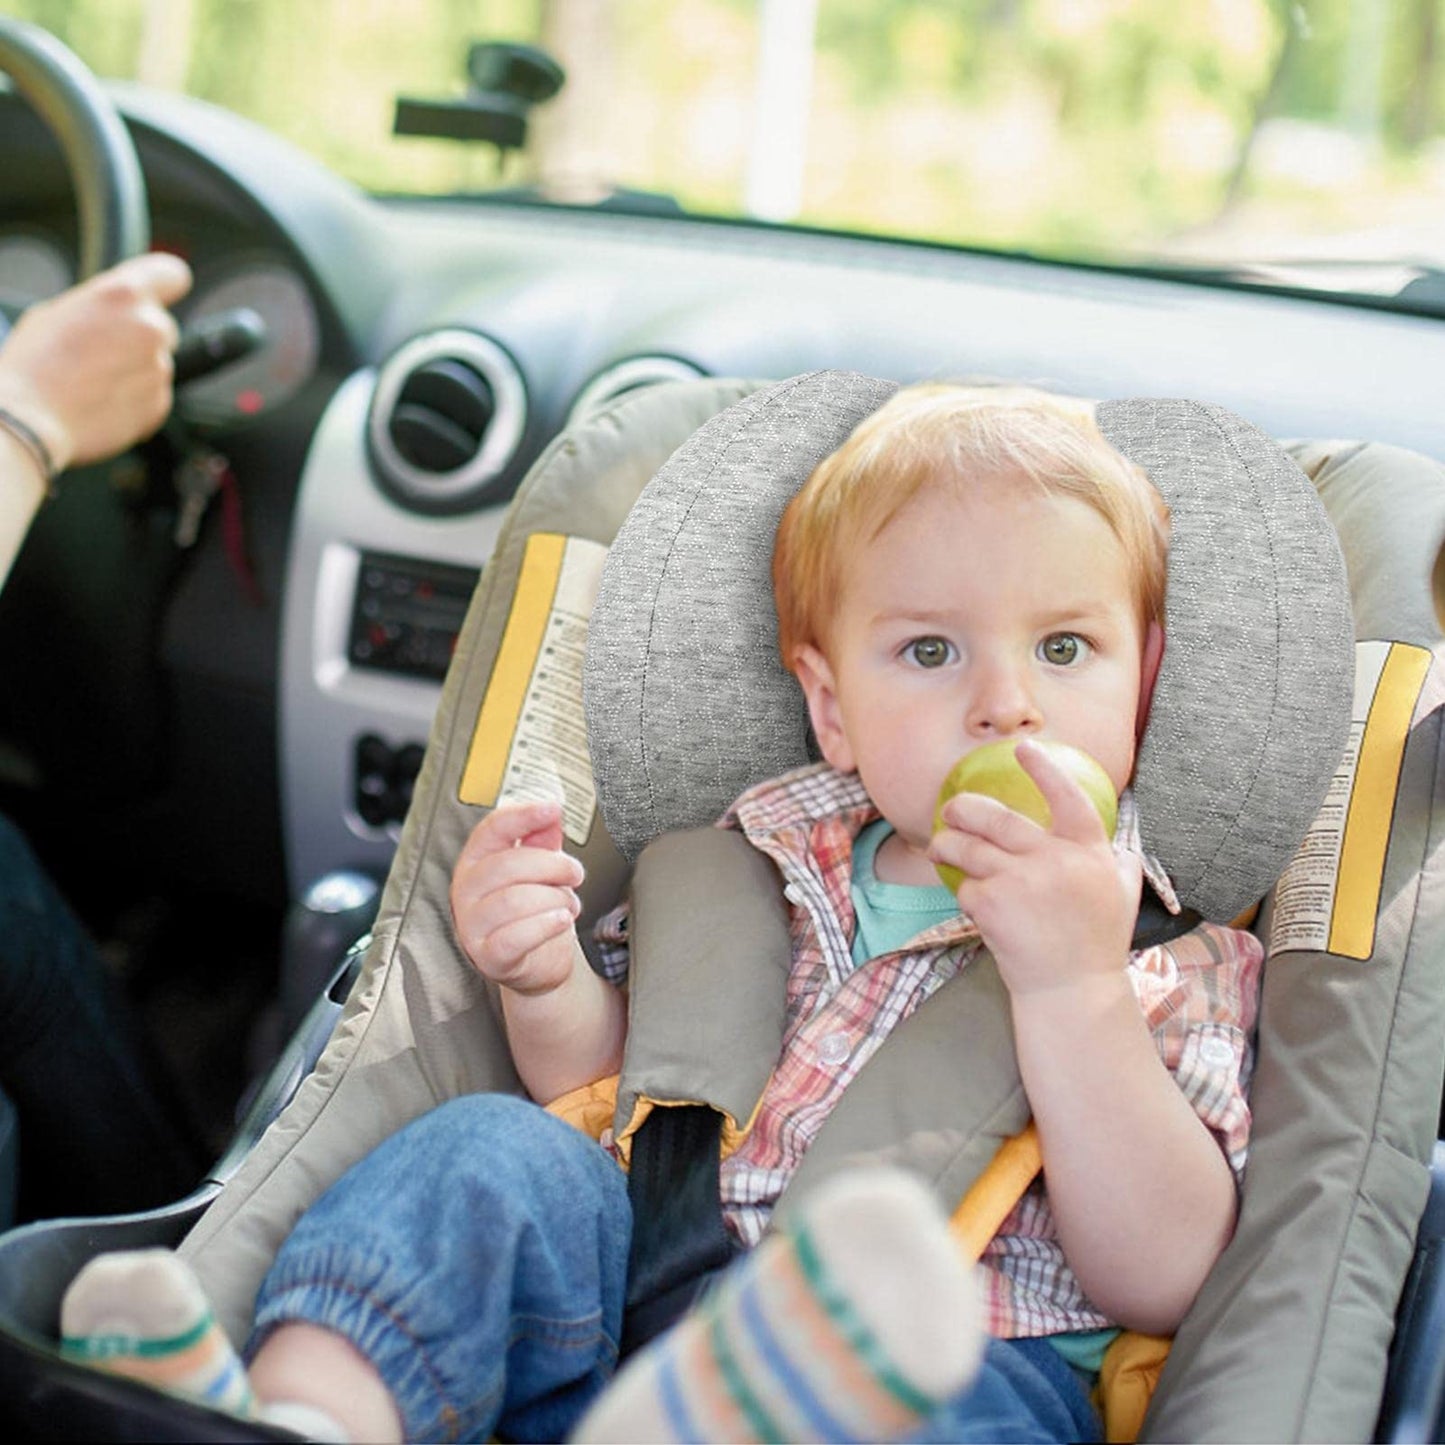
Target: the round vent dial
pixel 446 420
pixel 625 376
pixel 441 415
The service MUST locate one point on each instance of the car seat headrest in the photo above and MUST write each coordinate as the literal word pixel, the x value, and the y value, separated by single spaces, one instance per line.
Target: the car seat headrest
pixel 1388 505
pixel 688 704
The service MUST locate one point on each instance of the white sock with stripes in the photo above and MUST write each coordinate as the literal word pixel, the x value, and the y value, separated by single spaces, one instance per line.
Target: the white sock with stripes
pixel 851 1323
pixel 142 1314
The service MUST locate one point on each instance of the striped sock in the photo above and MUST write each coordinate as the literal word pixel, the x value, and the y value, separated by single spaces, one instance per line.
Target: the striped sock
pixel 142 1314
pixel 851 1324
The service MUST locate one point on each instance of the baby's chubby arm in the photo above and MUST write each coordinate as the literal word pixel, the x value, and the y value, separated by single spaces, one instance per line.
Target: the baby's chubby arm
pixel 1142 1194
pixel 514 910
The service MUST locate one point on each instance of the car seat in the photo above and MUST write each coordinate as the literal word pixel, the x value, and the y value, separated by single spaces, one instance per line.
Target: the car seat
pixel 1289 1338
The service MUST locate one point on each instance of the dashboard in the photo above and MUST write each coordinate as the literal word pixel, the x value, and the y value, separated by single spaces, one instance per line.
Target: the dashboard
pixel 249 713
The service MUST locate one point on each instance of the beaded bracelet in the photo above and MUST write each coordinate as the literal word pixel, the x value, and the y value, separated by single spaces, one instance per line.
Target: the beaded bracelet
pixel 29 438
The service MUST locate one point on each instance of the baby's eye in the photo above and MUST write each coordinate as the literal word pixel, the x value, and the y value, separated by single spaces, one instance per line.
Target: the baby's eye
pixel 1063 649
pixel 929 651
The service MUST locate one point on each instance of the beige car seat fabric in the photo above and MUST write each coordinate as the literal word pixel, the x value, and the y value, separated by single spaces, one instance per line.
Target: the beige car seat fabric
pixel 1289 1338
pixel 420 1027
pixel 1389 507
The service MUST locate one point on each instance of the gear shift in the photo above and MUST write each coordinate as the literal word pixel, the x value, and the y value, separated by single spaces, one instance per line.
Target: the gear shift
pixel 321 925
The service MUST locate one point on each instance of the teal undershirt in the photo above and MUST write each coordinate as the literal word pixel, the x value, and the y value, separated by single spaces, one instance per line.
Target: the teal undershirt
pixel 889 915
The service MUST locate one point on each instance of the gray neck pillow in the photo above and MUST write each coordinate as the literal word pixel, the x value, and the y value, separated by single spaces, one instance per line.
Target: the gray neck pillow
pixel 687 702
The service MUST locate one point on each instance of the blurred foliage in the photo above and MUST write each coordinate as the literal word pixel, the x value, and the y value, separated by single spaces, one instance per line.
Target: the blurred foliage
pixel 1075 127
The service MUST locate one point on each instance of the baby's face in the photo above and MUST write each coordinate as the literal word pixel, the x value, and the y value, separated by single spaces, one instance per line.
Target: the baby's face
pixel 1001 614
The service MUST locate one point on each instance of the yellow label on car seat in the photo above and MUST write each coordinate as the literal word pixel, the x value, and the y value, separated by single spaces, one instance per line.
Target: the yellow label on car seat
pixel 1329 896
pixel 530 740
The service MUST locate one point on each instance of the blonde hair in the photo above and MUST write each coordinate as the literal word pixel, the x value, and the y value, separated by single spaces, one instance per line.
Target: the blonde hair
pixel 956 436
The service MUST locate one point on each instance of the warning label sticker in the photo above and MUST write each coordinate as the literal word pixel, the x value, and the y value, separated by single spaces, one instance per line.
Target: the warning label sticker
pixel 1304 899
pixel 530 740
pixel 1329 895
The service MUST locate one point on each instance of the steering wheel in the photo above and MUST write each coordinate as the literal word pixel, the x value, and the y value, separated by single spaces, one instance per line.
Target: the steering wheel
pixel 110 193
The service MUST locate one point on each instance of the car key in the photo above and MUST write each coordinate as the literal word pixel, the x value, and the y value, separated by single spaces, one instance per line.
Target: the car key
pixel 197 480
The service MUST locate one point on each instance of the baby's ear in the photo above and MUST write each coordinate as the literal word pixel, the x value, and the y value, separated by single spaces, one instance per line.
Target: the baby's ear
pixel 815 676
pixel 1148 675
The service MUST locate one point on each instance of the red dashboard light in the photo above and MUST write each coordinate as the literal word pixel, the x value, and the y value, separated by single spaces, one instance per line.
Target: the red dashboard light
pixel 249 401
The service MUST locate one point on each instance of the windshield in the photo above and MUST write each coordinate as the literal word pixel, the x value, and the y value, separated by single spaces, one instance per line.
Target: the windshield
pixel 1298 142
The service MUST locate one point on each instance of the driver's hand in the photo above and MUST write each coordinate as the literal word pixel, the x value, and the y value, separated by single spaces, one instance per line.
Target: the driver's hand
pixel 90 370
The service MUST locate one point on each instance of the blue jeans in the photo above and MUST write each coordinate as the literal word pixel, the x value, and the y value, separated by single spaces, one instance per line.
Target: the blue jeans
pixel 99 1129
pixel 1025 1393
pixel 478 1259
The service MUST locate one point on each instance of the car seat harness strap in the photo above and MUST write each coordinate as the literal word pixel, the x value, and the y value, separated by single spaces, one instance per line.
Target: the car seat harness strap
pixel 679 1240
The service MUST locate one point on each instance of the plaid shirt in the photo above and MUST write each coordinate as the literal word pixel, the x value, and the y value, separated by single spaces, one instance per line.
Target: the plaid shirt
pixel 1198 994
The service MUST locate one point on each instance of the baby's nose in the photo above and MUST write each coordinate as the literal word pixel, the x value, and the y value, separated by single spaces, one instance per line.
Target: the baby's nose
pixel 1004 705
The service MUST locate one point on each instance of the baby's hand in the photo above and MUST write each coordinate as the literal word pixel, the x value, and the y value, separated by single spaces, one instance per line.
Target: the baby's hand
pixel 1054 905
pixel 513 898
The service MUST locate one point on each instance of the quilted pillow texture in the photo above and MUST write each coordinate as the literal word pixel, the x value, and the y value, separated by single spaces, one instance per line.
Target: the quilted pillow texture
pixel 688 703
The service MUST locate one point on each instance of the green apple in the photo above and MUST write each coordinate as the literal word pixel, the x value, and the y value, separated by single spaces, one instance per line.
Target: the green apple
pixel 994 771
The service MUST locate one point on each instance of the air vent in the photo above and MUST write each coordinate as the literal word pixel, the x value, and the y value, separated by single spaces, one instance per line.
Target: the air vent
pixel 446 420
pixel 630 375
